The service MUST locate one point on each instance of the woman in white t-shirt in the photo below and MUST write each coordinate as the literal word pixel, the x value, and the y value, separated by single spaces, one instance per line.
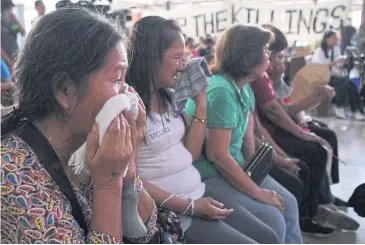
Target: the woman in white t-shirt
pixel 329 54
pixel 166 154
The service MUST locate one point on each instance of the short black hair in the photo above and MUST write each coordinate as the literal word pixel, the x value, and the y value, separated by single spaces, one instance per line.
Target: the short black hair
pixel 280 42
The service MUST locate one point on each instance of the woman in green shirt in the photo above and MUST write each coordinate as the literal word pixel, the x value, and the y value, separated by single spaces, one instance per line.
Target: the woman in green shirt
pixel 241 56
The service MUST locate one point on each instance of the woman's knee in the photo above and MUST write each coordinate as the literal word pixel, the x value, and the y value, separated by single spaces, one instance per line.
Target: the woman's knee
pixel 270 236
pixel 291 206
pixel 275 220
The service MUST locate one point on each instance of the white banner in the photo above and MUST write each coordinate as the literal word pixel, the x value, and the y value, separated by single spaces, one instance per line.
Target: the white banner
pixel 302 21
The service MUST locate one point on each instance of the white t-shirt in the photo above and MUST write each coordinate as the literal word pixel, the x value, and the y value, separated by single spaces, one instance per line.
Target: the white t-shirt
pixel 319 57
pixel 164 161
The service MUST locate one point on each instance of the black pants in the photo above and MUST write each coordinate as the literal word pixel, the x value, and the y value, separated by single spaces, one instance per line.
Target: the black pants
pixel 316 157
pixel 297 185
pixel 329 135
pixel 346 91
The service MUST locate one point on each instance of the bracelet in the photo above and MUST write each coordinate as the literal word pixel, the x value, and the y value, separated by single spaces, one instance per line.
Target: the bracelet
pixel 192 209
pixel 195 119
pixel 191 203
pixel 166 200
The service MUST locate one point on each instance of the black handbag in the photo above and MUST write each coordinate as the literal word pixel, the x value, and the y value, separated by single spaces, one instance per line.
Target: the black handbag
pixel 258 167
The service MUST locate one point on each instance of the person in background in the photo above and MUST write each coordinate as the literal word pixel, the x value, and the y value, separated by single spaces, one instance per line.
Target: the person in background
pixel 7 83
pixel 190 51
pixel 10 27
pixel 62 88
pixel 207 49
pixel 40 7
pixel 329 54
pixel 6 78
pixel 348 36
pixel 299 142
pixel 241 56
pixel 172 142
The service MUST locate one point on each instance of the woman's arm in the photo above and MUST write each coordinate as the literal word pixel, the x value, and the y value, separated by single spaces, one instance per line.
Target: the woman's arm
pixel 218 142
pixel 303 104
pixel 20 26
pixel 107 211
pixel 195 134
pixel 175 204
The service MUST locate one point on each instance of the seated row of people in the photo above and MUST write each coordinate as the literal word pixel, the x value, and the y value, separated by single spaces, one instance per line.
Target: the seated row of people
pixel 73 62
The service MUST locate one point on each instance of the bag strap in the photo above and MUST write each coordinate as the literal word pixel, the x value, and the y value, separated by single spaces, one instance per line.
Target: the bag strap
pixel 49 160
pixel 257 126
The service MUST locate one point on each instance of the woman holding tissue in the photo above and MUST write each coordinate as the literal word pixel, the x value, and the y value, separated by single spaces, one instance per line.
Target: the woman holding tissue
pixel 172 142
pixel 242 55
pixel 72 62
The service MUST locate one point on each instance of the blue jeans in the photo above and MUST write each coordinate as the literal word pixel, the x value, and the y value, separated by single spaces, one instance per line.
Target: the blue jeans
pixel 285 225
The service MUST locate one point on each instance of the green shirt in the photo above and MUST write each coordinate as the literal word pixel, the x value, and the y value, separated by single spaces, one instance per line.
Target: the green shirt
pixel 228 107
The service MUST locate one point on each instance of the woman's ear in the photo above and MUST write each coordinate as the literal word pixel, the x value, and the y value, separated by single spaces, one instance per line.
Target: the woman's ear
pixel 65 93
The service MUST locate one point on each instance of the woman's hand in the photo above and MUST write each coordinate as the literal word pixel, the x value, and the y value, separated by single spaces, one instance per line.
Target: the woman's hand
pixel 340 60
pixel 108 162
pixel 277 72
pixel 326 92
pixel 210 209
pixel 289 163
pixel 272 198
pixel 308 136
pixel 325 144
pixel 314 138
pixel 302 123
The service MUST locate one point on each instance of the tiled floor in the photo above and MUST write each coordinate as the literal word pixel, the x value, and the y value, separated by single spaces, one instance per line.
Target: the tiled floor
pixel 351 137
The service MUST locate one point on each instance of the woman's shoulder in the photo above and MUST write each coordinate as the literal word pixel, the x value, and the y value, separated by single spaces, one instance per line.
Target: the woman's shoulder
pixel 20 165
pixel 220 84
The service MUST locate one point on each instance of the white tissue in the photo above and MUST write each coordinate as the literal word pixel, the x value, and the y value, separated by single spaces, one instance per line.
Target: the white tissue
pixel 127 101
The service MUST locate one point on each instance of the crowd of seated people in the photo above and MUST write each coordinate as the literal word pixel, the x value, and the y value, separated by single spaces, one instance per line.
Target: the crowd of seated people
pixel 155 174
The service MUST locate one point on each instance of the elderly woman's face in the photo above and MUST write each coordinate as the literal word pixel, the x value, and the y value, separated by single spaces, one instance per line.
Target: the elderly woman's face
pixel 107 82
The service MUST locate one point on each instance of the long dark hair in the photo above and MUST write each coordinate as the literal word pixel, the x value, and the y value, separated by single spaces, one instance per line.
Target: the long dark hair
pixel 324 46
pixel 149 40
pixel 64 46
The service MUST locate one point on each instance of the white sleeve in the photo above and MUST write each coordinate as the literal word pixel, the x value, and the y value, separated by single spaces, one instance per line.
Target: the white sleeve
pixel 319 57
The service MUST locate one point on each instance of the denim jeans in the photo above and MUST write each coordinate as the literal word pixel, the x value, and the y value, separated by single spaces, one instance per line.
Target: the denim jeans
pixel 285 225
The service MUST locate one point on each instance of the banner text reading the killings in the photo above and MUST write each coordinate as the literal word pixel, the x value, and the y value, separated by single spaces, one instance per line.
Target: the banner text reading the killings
pixel 298 22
